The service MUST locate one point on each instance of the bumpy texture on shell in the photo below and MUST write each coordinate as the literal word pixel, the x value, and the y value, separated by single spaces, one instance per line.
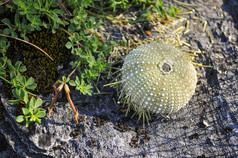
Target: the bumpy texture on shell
pixel 158 78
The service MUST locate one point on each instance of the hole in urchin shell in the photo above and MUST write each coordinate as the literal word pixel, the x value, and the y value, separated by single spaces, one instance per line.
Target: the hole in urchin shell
pixel 166 67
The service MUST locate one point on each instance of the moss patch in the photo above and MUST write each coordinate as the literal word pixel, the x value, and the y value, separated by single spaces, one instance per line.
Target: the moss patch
pixel 39 66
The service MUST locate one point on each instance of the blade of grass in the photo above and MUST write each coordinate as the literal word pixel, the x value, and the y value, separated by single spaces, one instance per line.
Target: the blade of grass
pixel 29 44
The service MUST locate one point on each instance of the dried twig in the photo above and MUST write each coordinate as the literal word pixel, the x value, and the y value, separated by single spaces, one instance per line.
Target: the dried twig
pixel 64 8
pixel 9 2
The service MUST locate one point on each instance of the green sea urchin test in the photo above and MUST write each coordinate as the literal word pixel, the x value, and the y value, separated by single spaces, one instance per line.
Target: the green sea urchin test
pixel 158 78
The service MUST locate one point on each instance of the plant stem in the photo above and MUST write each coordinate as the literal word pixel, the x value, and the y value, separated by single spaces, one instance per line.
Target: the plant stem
pixel 67 91
pixel 114 83
pixel 101 16
pixel 61 28
pixel 31 93
pixel 29 44
pixel 64 8
pixel 72 72
pixel 54 86
pixel 5 79
pixel 78 44
pixel 53 102
pixel 9 2
pixel 57 91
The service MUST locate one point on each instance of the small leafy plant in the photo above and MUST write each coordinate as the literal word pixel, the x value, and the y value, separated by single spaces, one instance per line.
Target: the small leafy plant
pixel 80 85
pixel 118 4
pixel 32 112
pixel 18 82
pixel 21 91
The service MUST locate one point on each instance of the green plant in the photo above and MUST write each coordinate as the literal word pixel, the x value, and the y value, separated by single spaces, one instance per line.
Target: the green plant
pixel 63 84
pixel 80 20
pixel 21 90
pixel 118 4
pixel 32 112
pixel 157 11
pixel 38 65
pixel 31 12
pixel 173 10
pixel 19 83
pixel 31 15
pixel 80 85
pixel 90 52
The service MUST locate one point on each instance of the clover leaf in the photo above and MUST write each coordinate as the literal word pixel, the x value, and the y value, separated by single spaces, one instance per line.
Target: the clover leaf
pixel 81 86
pixel 32 112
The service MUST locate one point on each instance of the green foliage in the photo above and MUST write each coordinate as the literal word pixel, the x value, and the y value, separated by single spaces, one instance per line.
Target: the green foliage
pixel 89 50
pixel 39 66
pixel 118 4
pixel 64 80
pixel 19 83
pixel 80 85
pixel 163 12
pixel 3 61
pixel 41 22
pixel 37 13
pixel 32 112
pixel 21 90
pixel 91 58
pixel 4 45
pixel 173 10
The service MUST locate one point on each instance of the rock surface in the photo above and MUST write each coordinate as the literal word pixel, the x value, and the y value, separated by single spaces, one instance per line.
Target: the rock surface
pixel 206 127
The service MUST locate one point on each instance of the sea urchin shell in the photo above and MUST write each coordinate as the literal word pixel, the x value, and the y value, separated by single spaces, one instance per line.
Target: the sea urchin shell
pixel 158 78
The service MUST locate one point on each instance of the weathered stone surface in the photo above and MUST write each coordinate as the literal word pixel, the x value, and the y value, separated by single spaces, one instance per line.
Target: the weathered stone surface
pixel 206 127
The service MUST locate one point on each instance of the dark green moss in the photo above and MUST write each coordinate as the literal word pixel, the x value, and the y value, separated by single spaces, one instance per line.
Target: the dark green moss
pixel 39 66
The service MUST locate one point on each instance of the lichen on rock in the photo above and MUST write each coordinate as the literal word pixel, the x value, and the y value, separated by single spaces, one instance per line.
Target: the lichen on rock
pixel 158 78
